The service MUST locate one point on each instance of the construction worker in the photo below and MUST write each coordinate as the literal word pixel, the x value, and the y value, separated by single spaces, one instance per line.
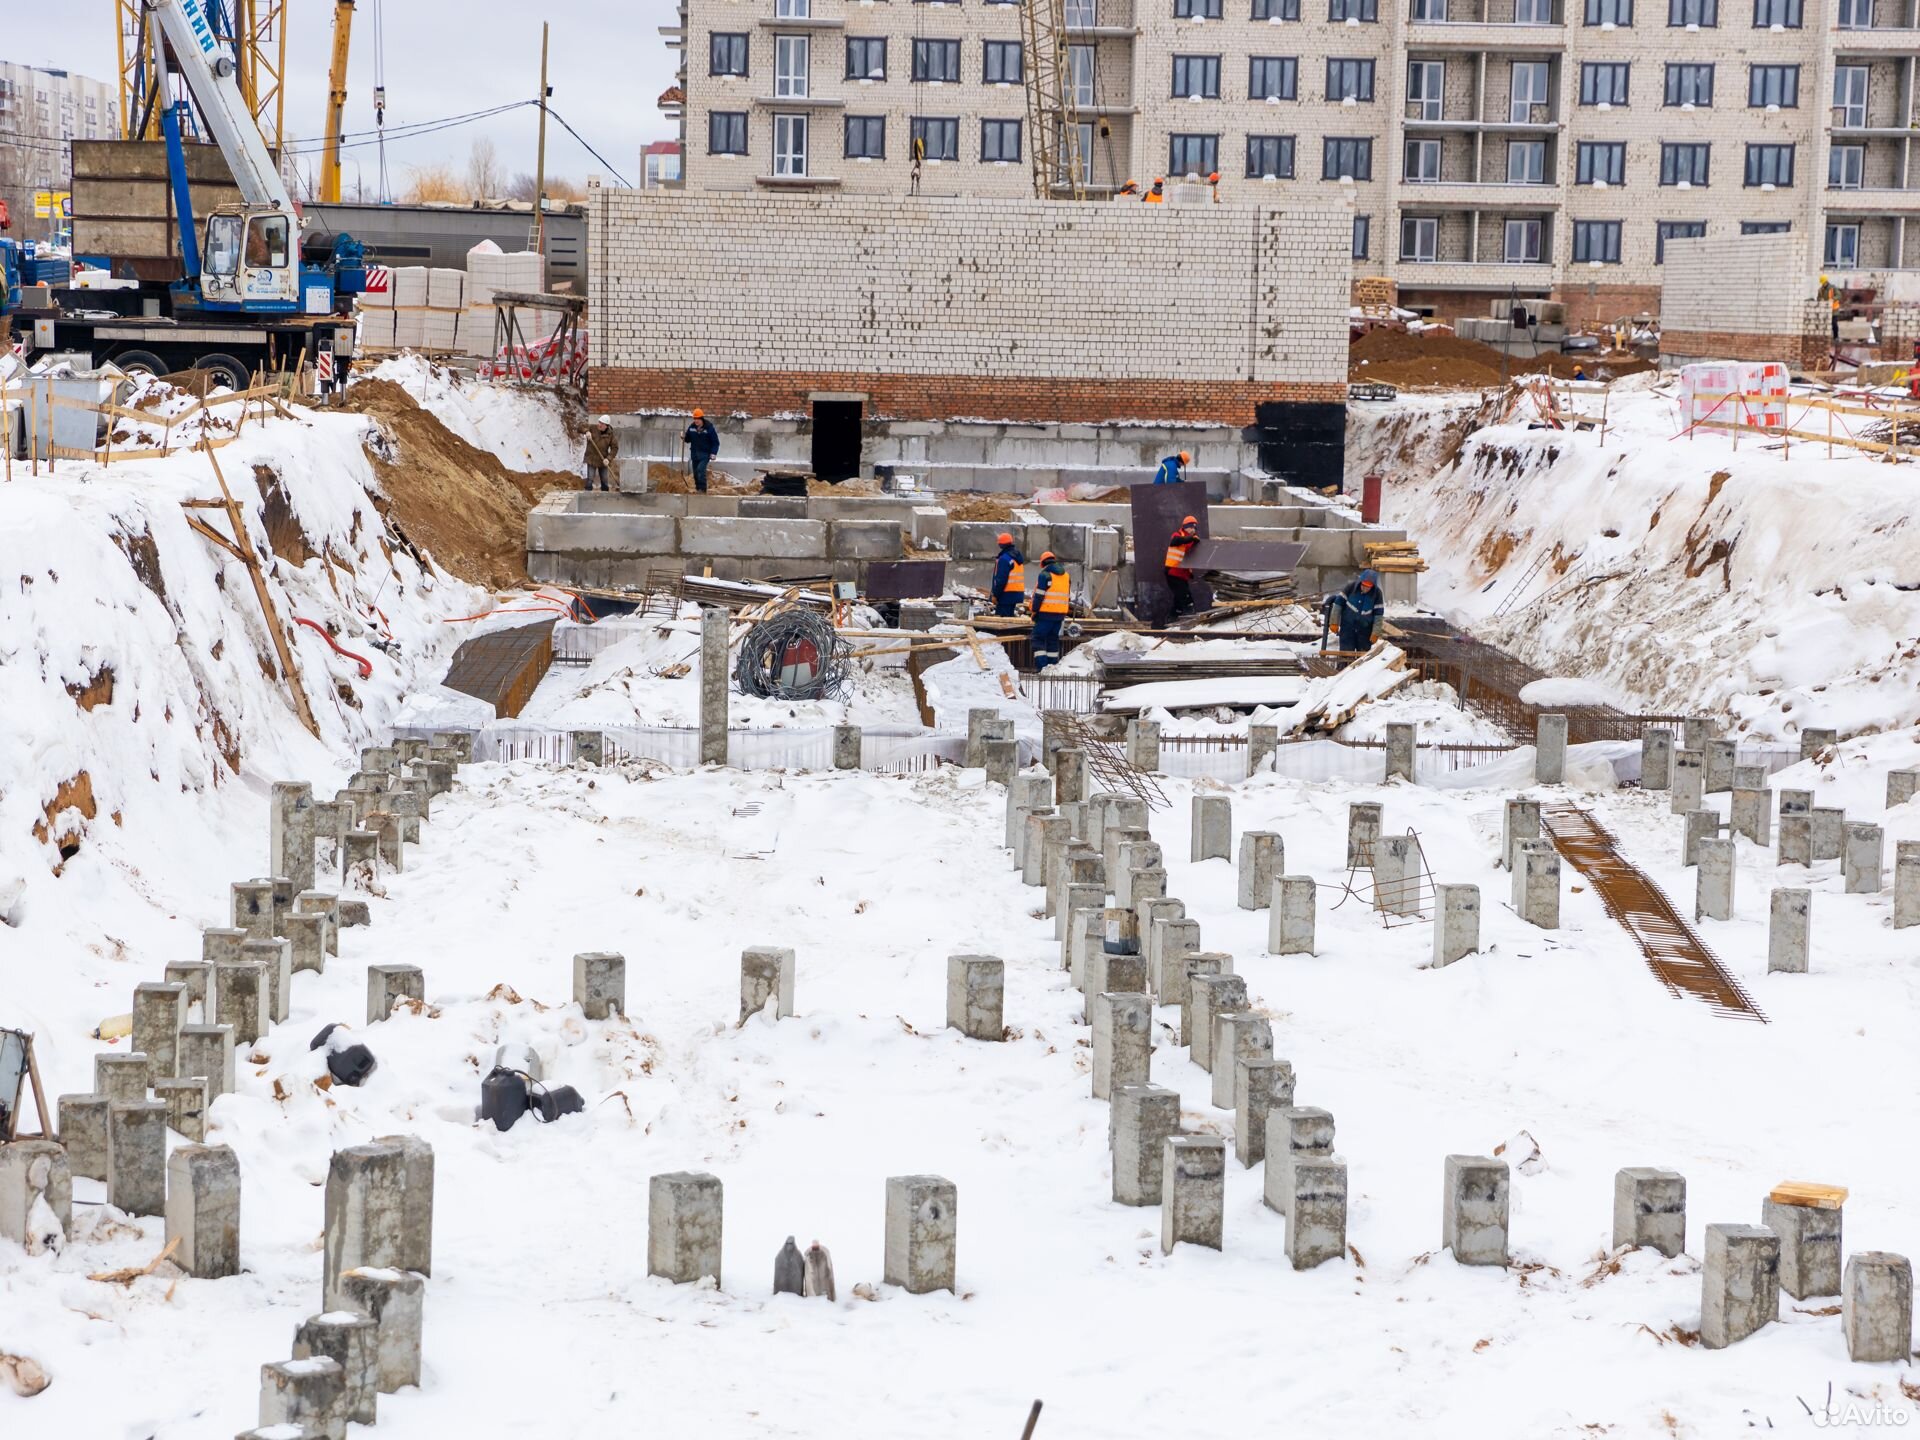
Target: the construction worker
pixel 1158 194
pixel 1132 187
pixel 1052 599
pixel 1360 606
pixel 1579 371
pixel 1173 469
pixel 603 448
pixel 1009 577
pixel 1179 576
pixel 703 443
pixel 1213 181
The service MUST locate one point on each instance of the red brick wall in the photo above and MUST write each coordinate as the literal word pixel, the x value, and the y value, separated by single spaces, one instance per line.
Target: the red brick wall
pixel 1802 350
pixel 1608 303
pixel 946 397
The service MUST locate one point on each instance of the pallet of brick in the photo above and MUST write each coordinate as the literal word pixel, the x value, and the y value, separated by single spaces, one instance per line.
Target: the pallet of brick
pixel 438 331
pixel 376 328
pixel 474 335
pixel 446 288
pixel 1375 290
pixel 409 288
pixel 490 270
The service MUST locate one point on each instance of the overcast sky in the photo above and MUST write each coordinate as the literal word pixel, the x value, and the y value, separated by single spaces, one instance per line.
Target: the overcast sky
pixel 608 65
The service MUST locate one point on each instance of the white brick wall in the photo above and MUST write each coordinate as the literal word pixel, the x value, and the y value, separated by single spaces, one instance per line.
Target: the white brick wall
pixel 1740 284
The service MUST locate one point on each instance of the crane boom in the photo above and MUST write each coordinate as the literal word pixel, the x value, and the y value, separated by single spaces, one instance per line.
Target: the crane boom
pixel 209 75
pixel 336 101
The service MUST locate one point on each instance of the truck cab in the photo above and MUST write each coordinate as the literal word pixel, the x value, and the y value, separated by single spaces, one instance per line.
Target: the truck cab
pixel 251 261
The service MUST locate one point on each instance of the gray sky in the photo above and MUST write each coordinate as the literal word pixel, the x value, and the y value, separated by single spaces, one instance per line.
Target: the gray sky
pixel 607 66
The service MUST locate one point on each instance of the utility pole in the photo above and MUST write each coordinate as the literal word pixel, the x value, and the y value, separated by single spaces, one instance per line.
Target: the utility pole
pixel 540 164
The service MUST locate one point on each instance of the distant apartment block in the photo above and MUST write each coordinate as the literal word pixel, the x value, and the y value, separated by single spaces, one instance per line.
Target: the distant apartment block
pixel 40 112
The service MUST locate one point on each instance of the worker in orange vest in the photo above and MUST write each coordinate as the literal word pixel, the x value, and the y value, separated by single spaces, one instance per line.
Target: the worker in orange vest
pixel 1052 599
pixel 1158 194
pixel 1009 577
pixel 1179 576
pixel 1132 187
pixel 1214 181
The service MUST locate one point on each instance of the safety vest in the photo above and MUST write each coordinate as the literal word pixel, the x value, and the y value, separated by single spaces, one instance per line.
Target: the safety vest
pixel 1154 197
pixel 1016 579
pixel 1177 548
pixel 1056 592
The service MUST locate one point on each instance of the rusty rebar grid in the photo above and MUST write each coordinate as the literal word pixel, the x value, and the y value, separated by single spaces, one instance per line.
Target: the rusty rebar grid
pixel 1386 900
pixel 1107 762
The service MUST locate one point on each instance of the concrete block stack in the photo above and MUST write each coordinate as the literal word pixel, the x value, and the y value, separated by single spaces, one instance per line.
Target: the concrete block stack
pixel 489 271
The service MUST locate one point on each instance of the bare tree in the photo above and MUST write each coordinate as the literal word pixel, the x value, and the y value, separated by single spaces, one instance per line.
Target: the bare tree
pixel 520 188
pixel 434 182
pixel 485 178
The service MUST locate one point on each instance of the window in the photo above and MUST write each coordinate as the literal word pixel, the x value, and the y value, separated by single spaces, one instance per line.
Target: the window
pixel 1783 13
pixel 790 56
pixel 1082 160
pixel 1420 239
pixel 1667 230
pixel 1523 242
pixel 1773 85
pixel 790 145
pixel 936 139
pixel 1423 162
pixel 1689 85
pixel 936 60
pixel 1683 164
pixel 727 132
pixel 1003 63
pixel 1426 89
pixel 223 243
pixel 1079 14
pixel 1362 233
pixel 1527 88
pixel 1272 77
pixel 1853 14
pixel 1196 9
pixel 1196 77
pixel 1000 141
pixel 1850 95
pixel 866 137
pixel 1770 165
pixel 1693 13
pixel 1601 162
pixel 792 9
pixel 1346 158
pixel 1342 10
pixel 1765 227
pixel 1533 12
pixel 1603 82
pixel 1270 155
pixel 1080 73
pixel 1349 79
pixel 1610 12
pixel 1433 12
pixel 867 59
pixel 726 54
pixel 1843 246
pixel 1276 9
pixel 1596 242
pixel 1193 154
pixel 1526 162
pixel 1846 167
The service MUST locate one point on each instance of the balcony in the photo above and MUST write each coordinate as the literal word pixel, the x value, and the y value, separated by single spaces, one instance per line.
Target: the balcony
pixel 1492 127
pixel 1876 40
pixel 1499 35
pixel 797 26
pixel 1101 19
pixel 1471 275
pixel 797 182
pixel 1870 201
pixel 1478 195
pixel 797 102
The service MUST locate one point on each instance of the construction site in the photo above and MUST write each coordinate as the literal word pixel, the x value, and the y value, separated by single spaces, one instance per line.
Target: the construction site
pixel 825 795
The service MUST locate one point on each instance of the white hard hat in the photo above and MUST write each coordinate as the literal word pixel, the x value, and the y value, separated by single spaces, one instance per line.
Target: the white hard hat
pixel 604 420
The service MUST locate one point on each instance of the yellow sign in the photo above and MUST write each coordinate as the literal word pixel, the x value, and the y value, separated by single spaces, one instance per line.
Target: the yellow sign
pixel 52 205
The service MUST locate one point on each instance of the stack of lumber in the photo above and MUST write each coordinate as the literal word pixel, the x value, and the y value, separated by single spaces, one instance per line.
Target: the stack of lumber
pixel 1395 557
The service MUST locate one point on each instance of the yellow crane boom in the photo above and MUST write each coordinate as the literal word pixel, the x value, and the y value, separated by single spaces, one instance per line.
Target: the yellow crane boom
pixel 336 102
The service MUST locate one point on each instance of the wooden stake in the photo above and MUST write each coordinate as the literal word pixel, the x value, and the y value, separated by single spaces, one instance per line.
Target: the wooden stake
pixel 40 1110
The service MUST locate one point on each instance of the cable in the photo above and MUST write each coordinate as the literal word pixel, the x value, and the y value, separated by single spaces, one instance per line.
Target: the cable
pixel 406 132
pixel 556 115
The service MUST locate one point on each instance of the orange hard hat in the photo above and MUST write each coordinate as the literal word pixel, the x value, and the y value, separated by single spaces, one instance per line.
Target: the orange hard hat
pixel 1046 555
pixel 1214 178
pixel 1190 520
pixel 1159 179
pixel 1004 538
pixel 698 413
pixel 1185 458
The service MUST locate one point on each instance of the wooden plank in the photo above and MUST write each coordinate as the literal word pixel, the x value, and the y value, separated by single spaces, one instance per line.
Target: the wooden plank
pixel 1809 1194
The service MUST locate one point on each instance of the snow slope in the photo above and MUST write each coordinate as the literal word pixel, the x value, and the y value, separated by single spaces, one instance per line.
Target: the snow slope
pixel 524 426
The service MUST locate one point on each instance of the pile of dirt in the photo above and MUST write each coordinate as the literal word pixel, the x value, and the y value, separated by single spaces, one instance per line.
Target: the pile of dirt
pixel 449 497
pixel 995 508
pixel 1438 359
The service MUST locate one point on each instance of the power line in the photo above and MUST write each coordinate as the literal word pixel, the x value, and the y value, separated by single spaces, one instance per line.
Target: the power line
pixel 588 148
pixel 405 132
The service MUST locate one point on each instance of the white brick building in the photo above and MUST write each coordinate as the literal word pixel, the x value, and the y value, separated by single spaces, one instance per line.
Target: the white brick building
pixel 40 112
pixel 1550 146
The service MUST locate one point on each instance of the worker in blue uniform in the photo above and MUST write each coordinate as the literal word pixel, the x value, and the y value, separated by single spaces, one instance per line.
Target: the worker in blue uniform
pixel 1052 599
pixel 1009 577
pixel 1359 608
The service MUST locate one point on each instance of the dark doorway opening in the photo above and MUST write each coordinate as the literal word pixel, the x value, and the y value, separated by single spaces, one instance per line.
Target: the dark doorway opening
pixel 836 440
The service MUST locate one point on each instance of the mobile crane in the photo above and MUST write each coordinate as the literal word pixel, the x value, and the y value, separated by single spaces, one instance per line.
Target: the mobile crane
pixel 248 299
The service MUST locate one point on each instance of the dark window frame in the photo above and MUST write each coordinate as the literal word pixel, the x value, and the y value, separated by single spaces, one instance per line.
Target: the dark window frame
pixel 734 120
pixel 1286 149
pixel 1208 142
pixel 1592 70
pixel 1364 71
pixel 1792 8
pixel 1205 9
pixel 1001 126
pixel 1707 10
pixel 1289 74
pixel 1367 12
pixel 1275 10
pixel 1362 236
pixel 1665 230
pixel 737 45
pixel 866 41
pixel 1587 151
pixel 924 49
pixel 1362 152
pixel 866 122
pixel 1596 13
pixel 1677 71
pixel 1688 160
pixel 1183 75
pixel 1756 88
pixel 919 125
pixel 998 50
pixel 1757 165
pixel 1608 231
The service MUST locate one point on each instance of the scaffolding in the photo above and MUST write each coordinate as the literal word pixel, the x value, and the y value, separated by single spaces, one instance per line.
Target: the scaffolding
pixel 253 31
pixel 1053 121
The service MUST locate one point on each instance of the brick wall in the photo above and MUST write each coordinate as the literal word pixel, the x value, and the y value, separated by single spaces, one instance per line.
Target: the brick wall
pixel 1740 284
pixel 938 307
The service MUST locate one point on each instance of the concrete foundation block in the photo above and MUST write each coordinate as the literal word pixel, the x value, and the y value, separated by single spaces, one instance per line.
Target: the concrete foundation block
pixel 1261 1085
pixel 1115 836
pixel 1001 759
pixel 197 976
pixel 414 1248
pixel 203 1209
pixel 1876 1307
pixel 253 908
pixel 1173 938
pixel 1211 831
pixel 1294 1132
pixel 1456 922
pixel 137 1156
pixel 1085 940
pixel 275 959
pixel 1717 766
pixel 307 941
pixel 206 1053
pixel 589 747
pixel 1263 857
pixel 221 943
pixel 684 1213
pixel 322 902
pixel 1290 923
pixel 1133 854
pixel 158 1013
pixel 1902 786
pixel 1521 821
pixel 1143 745
pixel 1695 731
pixel 1829 832
pixel 1536 884
pixel 923 1233
pixel 1316 1210
pixel 310 1393
pixel 1399 876
pixel 395 1300
pixel 122 1077
pixel 290 847
pixel 1140 1120
pixel 1208 998
pixel 1045 829
pixel 1473 1215
pixel 1713 892
pixel 1810 1249
pixel 1079 897
pixel 351 1340
pixel 1752 777
pixel 1752 815
pixel 388 985
pixel 354 913
pixel 766 974
pixel 1363 833
pixel 846 747
pixel 83 1131
pixel 1906 884
pixel 976 996
pixel 600 983
pixel 186 1102
pixel 1790 931
pixel 1739 1283
pixel 1193 1191
pixel 1650 1209
pixel 1550 750
pixel 1401 747
pixel 1863 859
pixel 1796 840
pixel 1115 972
pixel 1189 966
pixel 1122 1040
pixel 1238 1035
pixel 1700 825
pixel 362 867
pixel 1145 885
pixel 365 1214
pixel 1020 812
pixel 36 1194
pixel 1689 781
pixel 1814 742
pixel 715 678
pixel 1656 759
pixel 1263 742
pixel 390 835
pixel 1069 775
pixel 978 717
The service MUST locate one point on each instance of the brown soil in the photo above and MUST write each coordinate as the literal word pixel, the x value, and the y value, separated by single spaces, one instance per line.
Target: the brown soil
pixel 451 498
pixel 1439 360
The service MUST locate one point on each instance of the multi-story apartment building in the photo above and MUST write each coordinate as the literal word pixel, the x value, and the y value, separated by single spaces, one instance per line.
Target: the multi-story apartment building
pixel 40 112
pixel 1486 147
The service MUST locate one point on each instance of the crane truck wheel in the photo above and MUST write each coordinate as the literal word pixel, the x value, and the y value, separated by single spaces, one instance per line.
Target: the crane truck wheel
pixel 225 370
pixel 142 362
